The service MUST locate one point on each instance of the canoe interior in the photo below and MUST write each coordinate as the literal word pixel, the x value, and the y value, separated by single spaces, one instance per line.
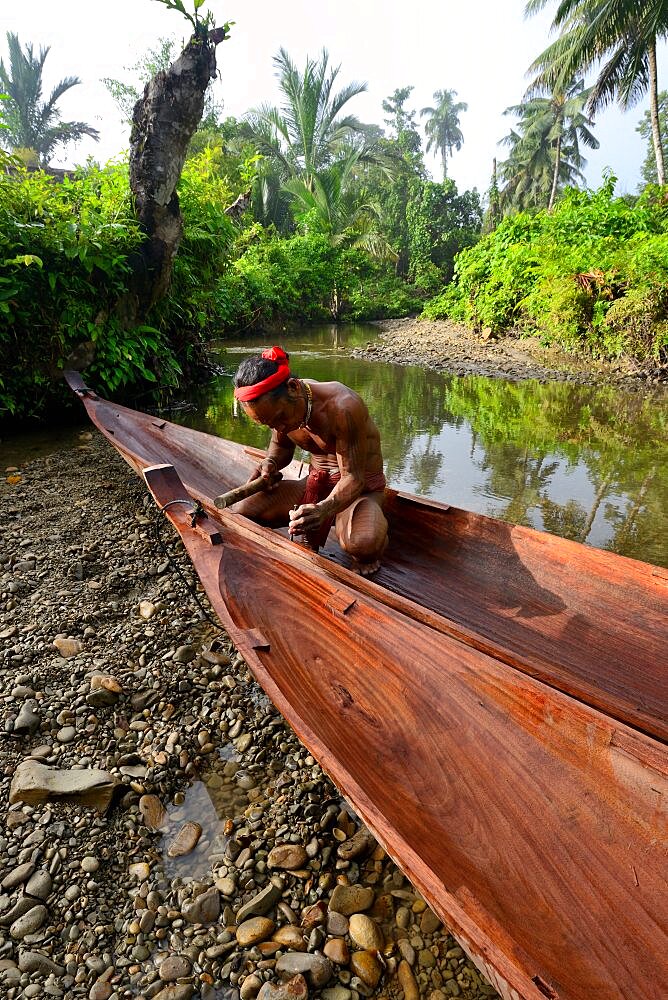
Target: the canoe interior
pixel 588 622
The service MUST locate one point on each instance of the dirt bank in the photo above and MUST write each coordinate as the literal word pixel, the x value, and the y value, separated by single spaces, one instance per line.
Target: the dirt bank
pixel 450 347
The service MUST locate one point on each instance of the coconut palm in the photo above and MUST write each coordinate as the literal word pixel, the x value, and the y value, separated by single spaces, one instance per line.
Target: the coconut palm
pixel 442 126
pixel 618 36
pixel 648 170
pixel 544 154
pixel 31 123
pixel 305 135
pixel 560 120
pixel 342 207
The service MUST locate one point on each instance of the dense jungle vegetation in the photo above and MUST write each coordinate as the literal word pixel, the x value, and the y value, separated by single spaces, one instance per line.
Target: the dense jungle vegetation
pixel 336 218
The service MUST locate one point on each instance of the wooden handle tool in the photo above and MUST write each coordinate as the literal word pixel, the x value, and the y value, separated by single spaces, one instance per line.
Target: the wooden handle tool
pixel 242 492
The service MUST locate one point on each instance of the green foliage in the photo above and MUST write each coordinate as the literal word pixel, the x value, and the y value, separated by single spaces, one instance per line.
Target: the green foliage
pixel 126 95
pixel 441 223
pixel 310 129
pixel 63 265
pixel 29 123
pixel 404 128
pixel 492 278
pixel 442 126
pixel 590 276
pixel 636 324
pixel 200 24
pixel 276 282
pixel 380 294
pixel 156 59
pixel 617 38
pixel 544 147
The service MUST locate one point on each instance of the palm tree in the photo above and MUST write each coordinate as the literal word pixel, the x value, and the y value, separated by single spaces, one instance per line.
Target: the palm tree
pixel 31 123
pixel 648 170
pixel 560 120
pixel 305 135
pixel 529 170
pixel 619 36
pixel 545 151
pixel 442 127
pixel 344 210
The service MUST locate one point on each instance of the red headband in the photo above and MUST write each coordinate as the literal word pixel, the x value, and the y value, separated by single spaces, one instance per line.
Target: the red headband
pixel 247 392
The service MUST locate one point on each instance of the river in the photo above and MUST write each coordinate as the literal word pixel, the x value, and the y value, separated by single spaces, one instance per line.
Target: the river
pixel 587 463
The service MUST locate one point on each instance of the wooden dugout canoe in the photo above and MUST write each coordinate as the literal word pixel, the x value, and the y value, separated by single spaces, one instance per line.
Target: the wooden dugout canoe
pixel 493 704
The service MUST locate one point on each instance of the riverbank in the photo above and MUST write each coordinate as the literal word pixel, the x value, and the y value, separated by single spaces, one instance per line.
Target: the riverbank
pixel 220 860
pixel 452 347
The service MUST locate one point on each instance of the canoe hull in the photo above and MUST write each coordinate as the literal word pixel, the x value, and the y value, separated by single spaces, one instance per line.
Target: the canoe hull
pixel 505 782
pixel 416 729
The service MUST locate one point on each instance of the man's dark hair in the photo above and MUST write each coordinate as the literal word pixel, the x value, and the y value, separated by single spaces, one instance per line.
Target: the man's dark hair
pixel 256 369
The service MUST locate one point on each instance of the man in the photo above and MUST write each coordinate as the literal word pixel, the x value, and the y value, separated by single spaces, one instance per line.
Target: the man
pixel 345 485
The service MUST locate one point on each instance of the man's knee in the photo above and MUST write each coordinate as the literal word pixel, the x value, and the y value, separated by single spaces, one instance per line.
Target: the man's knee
pixel 366 532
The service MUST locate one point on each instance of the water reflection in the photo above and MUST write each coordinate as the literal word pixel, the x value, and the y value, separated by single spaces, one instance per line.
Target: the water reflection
pixel 227 796
pixel 585 463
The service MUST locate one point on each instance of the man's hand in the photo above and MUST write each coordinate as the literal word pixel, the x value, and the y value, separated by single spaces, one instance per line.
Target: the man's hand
pixel 308 517
pixel 267 470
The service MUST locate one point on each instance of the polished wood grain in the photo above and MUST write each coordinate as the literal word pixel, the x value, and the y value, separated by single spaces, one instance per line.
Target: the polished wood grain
pixel 498 770
pixel 590 623
pixel 534 825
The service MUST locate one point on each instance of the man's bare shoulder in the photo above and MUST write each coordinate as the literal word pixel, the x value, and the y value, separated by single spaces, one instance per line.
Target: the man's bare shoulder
pixel 342 395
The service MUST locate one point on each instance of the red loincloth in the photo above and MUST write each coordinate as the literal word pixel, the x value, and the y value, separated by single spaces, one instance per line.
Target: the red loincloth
pixel 319 484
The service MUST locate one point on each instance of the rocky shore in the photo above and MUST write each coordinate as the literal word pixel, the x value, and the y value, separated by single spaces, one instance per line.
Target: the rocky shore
pixel 451 347
pixel 164 834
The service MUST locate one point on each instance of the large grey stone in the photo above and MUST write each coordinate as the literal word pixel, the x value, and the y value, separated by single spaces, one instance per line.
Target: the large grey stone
pixel 28 720
pixel 29 922
pixel 22 906
pixel 174 967
pixel 39 885
pixel 34 782
pixel 35 961
pixel 318 968
pixel 20 874
pixel 175 991
pixel 204 909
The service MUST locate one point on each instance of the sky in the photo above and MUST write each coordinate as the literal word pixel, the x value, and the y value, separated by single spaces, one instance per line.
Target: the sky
pixel 480 48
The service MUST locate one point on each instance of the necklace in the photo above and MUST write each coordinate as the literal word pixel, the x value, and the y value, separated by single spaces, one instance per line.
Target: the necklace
pixel 308 399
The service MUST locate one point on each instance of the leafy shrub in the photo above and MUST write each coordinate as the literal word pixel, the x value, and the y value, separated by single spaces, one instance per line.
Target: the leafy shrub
pixel 381 295
pixel 562 310
pixel 63 263
pixel 65 249
pixel 565 274
pixel 450 304
pixel 636 324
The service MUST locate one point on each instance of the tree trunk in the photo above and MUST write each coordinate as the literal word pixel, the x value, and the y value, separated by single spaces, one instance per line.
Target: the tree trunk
pixel 555 178
pixel 654 114
pixel 601 493
pixel 163 122
pixel 444 158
